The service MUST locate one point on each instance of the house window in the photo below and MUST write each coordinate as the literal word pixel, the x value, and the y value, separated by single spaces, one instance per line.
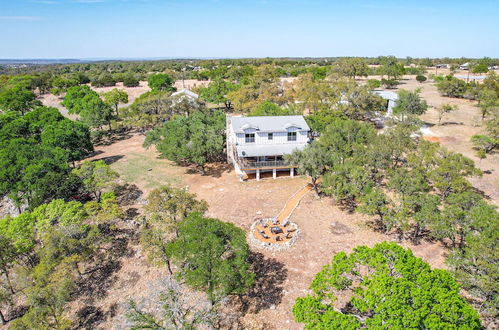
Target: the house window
pixel 291 136
pixel 270 136
pixel 249 138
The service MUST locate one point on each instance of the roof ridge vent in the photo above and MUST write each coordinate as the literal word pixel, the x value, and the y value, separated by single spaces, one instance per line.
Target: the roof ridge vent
pixel 288 125
pixel 248 125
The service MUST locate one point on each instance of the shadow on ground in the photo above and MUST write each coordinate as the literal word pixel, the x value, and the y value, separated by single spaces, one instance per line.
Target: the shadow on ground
pixel 109 138
pixel 269 284
pixel 213 169
pixel 111 159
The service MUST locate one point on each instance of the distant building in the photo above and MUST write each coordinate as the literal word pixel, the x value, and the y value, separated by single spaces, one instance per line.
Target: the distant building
pixel 256 145
pixel 464 66
pixel 442 66
pixel 185 93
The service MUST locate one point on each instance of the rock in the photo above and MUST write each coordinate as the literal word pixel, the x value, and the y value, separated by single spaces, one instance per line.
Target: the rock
pixel 259 212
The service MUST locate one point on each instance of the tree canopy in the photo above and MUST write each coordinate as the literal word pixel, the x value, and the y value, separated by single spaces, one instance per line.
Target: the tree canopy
pixel 197 139
pixel 271 109
pixel 161 82
pixel 215 256
pixel 35 151
pixel 385 286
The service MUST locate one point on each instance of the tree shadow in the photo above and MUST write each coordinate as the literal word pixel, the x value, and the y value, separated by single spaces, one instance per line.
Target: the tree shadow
pixel 95 153
pixel 101 275
pixel 446 123
pixel 213 169
pixel 481 192
pixel 109 138
pixel 110 159
pixel 269 281
pixel 90 316
pixel 127 194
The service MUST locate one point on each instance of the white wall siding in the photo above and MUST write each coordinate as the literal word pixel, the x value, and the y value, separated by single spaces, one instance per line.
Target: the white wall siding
pixel 278 138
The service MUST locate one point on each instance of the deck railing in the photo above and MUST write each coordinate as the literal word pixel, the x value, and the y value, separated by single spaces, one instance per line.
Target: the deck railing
pixel 263 164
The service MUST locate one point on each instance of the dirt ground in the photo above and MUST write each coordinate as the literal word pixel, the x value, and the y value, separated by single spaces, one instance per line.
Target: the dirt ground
pixel 325 230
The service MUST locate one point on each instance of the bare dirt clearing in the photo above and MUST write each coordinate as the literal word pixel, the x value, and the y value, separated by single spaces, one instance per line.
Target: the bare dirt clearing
pixel 241 203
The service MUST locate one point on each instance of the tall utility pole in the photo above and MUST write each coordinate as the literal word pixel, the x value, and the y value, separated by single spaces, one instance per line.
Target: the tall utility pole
pixel 183 79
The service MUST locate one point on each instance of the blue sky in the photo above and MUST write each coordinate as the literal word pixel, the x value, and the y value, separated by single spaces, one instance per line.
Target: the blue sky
pixel 247 28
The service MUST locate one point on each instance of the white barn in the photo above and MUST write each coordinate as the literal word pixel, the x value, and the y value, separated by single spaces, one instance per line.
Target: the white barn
pixel 256 145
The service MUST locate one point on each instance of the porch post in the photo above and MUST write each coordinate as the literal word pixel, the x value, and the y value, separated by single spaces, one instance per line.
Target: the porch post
pixel 292 172
pixel 257 175
pixel 274 173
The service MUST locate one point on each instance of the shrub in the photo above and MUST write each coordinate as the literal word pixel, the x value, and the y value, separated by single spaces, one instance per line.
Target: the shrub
pixel 421 78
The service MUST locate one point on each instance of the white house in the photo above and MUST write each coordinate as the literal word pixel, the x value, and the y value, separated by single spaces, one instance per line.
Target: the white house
pixel 256 145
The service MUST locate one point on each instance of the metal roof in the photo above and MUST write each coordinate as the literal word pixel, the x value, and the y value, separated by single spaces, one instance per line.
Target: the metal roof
pixel 268 150
pixel 387 95
pixel 269 123
pixel 186 92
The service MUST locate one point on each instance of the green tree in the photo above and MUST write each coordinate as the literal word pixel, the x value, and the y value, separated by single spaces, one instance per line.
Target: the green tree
pixel 450 86
pixel 390 83
pixel 312 161
pixel 161 82
pixel 114 97
pixel 215 256
pixel 392 68
pixel 409 104
pixel 375 202
pixel 348 182
pixel 104 80
pixel 74 98
pixel 386 287
pixel 445 108
pixel 352 67
pixel 480 68
pixel 476 264
pixel 271 109
pixel 373 83
pixel 96 176
pixel 35 151
pixel 74 137
pixel 314 95
pixel 18 98
pixel 167 207
pixel 488 101
pixel 420 78
pixel 216 92
pixel 130 81
pixel 198 139
pixel 358 103
pixel 484 144
pixel 456 221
